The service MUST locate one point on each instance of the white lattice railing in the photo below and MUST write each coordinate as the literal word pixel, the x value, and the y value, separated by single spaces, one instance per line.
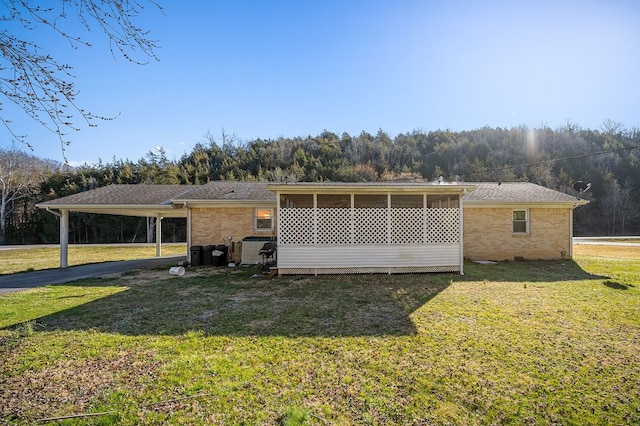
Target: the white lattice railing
pixel 325 226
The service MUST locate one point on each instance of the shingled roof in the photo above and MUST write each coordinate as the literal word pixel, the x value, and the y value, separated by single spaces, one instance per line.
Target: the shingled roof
pixel 516 192
pixel 124 194
pixel 226 190
pixel 151 200
pixel 127 200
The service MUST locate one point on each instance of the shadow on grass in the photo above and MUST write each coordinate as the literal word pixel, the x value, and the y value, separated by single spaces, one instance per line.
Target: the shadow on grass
pixel 528 271
pixel 231 303
pixel 615 285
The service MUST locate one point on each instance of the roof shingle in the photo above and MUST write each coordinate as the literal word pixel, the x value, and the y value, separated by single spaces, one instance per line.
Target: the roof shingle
pixel 124 195
pixel 507 192
pixel 512 192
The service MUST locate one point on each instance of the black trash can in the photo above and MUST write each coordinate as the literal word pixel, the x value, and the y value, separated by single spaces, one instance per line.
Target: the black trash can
pixel 196 255
pixel 220 259
pixel 207 255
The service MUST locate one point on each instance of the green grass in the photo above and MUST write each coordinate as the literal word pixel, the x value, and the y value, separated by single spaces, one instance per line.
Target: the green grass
pixel 33 259
pixel 516 343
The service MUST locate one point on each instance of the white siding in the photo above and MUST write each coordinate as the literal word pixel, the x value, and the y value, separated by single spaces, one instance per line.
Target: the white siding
pixel 356 256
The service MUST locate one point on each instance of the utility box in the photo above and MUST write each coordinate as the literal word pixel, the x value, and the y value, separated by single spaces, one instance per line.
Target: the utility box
pixel 250 248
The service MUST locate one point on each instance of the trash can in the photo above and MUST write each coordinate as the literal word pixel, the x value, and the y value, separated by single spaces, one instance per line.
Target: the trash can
pixel 207 254
pixel 196 255
pixel 220 255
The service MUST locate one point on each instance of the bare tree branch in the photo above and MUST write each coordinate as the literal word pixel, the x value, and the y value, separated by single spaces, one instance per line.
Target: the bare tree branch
pixel 40 85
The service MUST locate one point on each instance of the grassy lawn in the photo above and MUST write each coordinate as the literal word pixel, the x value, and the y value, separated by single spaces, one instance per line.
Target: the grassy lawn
pixel 517 342
pixel 32 259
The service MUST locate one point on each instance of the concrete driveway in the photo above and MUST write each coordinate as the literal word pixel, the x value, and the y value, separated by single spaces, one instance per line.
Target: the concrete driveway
pixel 25 280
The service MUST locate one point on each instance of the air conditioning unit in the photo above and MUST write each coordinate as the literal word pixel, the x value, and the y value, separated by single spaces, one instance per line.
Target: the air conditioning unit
pixel 250 248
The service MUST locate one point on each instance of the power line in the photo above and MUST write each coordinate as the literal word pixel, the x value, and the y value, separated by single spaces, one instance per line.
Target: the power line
pixel 574 157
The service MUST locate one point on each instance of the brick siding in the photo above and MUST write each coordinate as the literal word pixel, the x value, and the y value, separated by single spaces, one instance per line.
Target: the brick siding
pixel 214 226
pixel 488 236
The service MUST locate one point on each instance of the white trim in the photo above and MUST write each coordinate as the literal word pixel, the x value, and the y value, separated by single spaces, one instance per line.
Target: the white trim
pixel 158 236
pixel 64 238
pixel 389 221
pixel 189 238
pixel 527 220
pixel 315 218
pixel 352 220
pixel 255 219
pixel 461 225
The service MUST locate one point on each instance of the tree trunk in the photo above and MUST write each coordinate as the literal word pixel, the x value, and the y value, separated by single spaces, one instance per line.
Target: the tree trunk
pixel 3 216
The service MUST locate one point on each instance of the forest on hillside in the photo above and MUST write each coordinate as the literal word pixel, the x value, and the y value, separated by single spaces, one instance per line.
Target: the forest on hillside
pixel 607 158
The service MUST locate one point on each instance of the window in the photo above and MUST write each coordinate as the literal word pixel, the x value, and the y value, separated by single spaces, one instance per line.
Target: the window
pixel 263 220
pixel 520 222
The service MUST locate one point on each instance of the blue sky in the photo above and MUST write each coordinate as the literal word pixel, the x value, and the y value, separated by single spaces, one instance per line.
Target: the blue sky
pixel 265 69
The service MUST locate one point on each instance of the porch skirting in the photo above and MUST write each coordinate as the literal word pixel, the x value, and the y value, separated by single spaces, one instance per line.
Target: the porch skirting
pixel 368 270
pixel 368 258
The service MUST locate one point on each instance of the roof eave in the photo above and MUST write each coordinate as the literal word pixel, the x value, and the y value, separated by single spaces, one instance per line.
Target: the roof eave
pixel 138 210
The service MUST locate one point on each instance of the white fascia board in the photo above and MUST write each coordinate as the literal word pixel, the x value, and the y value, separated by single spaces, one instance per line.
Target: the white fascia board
pixel 119 210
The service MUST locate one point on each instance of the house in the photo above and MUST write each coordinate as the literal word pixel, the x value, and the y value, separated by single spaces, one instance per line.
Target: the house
pixel 349 227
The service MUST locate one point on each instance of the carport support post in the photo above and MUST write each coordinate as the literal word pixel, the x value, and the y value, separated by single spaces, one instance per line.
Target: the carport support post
pixel 64 238
pixel 158 236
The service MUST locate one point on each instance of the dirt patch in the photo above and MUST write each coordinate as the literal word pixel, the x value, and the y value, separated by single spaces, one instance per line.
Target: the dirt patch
pixel 149 276
pixel 72 385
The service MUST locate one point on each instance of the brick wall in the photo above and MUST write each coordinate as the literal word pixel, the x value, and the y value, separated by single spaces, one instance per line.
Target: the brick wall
pixel 487 234
pixel 215 225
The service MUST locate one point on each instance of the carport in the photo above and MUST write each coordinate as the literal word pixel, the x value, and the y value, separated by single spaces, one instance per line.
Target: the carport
pixel 122 200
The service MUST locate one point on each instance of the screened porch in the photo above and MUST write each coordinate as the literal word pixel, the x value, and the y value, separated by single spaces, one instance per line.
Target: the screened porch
pixel 329 229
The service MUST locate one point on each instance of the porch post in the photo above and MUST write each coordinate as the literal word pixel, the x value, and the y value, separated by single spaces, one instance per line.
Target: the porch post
pixel 277 222
pixel 158 236
pixel 64 238
pixel 461 230
pixel 188 234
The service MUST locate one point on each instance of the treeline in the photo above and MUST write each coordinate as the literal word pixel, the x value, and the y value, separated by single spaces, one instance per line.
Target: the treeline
pixel 608 158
